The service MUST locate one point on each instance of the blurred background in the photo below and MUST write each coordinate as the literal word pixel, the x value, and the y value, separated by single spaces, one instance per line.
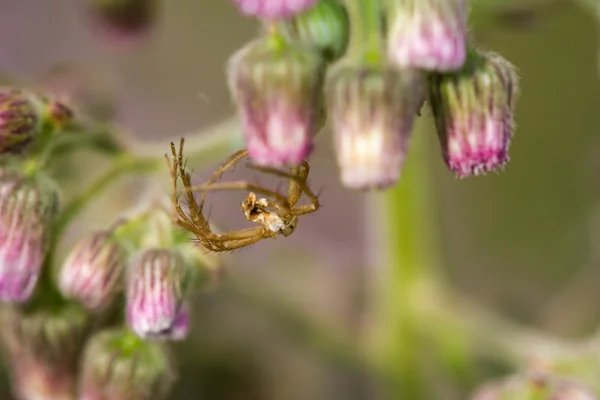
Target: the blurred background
pixel 525 242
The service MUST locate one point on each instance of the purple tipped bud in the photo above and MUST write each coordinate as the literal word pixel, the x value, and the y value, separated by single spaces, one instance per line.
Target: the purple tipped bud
pixel 118 366
pixel 473 111
pixel 372 110
pixel 273 9
pixel 277 88
pixel 123 19
pixel 27 207
pixel 93 271
pixel 25 115
pixel 325 27
pixel 428 34
pixel 42 350
pixel 158 284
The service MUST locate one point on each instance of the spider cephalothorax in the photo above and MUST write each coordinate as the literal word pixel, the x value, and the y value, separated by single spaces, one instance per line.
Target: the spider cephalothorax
pixel 275 213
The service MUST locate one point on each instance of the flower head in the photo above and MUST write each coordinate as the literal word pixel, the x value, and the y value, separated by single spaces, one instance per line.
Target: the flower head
pixel 372 110
pixel 19 119
pixel 273 9
pixel 428 34
pixel 27 207
pixel 158 284
pixel 118 366
pixel 473 110
pixel 277 88
pixel 42 347
pixel 93 271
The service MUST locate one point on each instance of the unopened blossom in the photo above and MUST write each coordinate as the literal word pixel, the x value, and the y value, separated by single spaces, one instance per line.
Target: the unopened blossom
pixel 427 34
pixel 372 111
pixel 27 207
pixel 42 349
pixel 158 283
pixel 277 89
pixel 273 9
pixel 25 115
pixel 325 26
pixel 117 365
pixel 93 271
pixel 473 111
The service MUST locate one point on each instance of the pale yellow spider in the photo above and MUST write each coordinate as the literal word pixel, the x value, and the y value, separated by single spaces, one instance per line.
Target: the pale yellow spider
pixel 275 213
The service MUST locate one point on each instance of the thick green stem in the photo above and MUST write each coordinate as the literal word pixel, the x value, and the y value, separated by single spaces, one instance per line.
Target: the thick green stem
pixel 406 253
pixel 366 32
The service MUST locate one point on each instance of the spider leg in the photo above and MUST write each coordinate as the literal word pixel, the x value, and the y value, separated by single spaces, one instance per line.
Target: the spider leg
pixel 242 185
pixel 298 185
pixel 235 239
pixel 231 161
pixel 179 216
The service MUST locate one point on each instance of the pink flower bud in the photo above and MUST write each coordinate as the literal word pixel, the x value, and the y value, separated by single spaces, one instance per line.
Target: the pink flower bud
pixel 372 110
pixel 273 9
pixel 93 270
pixel 277 88
pixel 428 34
pixel 473 110
pixel 158 284
pixel 27 207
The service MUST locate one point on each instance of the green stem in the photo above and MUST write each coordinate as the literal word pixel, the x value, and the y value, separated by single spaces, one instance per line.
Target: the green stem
pixel 366 31
pixel 406 252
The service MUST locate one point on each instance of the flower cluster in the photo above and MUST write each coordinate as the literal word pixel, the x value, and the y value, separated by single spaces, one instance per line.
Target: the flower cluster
pixel 91 321
pixel 320 61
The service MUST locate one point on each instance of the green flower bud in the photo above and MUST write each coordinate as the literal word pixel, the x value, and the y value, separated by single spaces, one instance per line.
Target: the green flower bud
pixel 42 348
pixel 324 26
pixel 117 365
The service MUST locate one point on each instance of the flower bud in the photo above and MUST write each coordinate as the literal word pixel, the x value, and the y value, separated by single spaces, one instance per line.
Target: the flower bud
pixel 159 282
pixel 27 207
pixel 273 9
pixel 324 26
pixel 93 271
pixel 25 115
pixel 123 19
pixel 372 110
pixel 277 88
pixel 42 349
pixel 473 111
pixel 428 34
pixel 117 365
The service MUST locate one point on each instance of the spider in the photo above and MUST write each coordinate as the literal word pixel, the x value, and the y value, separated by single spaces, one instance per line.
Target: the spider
pixel 275 214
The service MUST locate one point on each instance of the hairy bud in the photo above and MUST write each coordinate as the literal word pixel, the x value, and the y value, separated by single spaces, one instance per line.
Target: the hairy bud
pixel 93 271
pixel 273 9
pixel 119 366
pixel 372 110
pixel 27 207
pixel 159 282
pixel 277 88
pixel 325 27
pixel 42 348
pixel 428 34
pixel 473 111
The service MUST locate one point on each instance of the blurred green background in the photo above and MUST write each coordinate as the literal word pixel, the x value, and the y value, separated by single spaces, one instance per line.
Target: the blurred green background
pixel 524 242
